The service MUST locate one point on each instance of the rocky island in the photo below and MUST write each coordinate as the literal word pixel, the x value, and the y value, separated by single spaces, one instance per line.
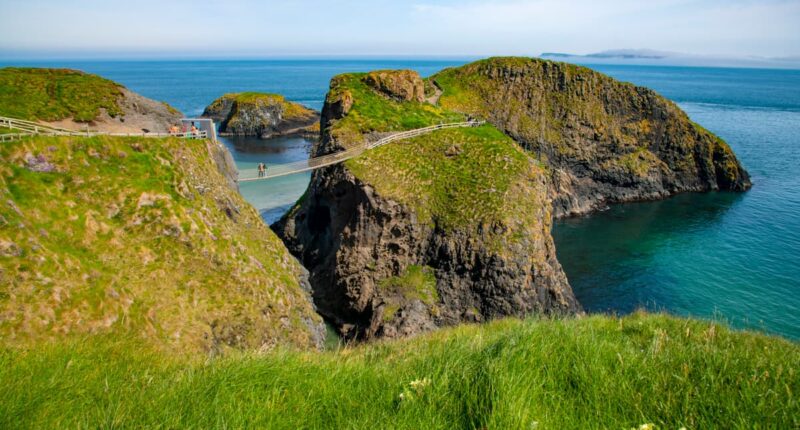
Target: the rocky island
pixel 262 115
pixel 604 141
pixel 455 225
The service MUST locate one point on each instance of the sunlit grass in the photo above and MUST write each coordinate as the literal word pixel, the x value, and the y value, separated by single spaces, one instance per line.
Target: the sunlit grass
pixel 596 372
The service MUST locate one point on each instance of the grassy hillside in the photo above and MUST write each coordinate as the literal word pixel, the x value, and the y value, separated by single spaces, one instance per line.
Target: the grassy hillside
pixel 54 94
pixel 143 238
pixel 591 373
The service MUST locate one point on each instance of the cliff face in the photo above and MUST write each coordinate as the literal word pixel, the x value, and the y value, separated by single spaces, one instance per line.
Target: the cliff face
pixel 605 141
pixel 145 238
pixel 76 100
pixel 262 115
pixel 447 227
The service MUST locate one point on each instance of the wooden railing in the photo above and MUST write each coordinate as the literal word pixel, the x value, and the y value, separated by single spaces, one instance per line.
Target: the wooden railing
pixel 274 171
pixel 30 128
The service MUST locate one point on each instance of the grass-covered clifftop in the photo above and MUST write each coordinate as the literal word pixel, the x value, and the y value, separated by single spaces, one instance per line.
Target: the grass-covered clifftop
pixel 77 100
pixel 141 238
pixel 591 373
pixel 55 94
pixel 455 178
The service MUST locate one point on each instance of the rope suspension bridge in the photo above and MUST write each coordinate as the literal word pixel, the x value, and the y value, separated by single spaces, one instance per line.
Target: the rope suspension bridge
pixel 28 128
pixel 274 171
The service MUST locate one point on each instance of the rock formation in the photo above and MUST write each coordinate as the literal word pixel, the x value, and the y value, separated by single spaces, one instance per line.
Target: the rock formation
pixel 455 225
pixel 403 85
pixel 449 227
pixel 262 115
pixel 605 141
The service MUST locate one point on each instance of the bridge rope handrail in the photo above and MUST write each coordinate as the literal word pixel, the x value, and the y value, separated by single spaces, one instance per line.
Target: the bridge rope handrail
pixel 314 163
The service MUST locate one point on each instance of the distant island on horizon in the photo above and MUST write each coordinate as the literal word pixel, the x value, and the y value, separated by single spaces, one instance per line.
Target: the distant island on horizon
pixel 652 57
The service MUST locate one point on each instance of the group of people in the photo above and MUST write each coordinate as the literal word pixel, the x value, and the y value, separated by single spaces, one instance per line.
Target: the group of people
pixel 262 170
pixel 190 131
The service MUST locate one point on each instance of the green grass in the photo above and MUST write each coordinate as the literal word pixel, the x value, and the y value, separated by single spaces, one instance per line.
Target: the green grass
pixel 133 236
pixel 590 373
pixel 453 177
pixel 55 94
pixel 416 283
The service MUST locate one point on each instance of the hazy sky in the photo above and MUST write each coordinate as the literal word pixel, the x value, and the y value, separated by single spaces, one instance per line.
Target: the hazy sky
pixel 380 27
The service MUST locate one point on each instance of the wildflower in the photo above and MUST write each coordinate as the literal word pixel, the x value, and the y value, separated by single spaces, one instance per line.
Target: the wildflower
pixel 416 388
pixel 420 384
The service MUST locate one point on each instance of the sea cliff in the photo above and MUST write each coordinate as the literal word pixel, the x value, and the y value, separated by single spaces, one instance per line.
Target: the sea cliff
pixel 448 227
pixel 604 141
pixel 455 225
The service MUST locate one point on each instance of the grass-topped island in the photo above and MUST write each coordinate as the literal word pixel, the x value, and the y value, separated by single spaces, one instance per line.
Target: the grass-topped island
pixel 262 115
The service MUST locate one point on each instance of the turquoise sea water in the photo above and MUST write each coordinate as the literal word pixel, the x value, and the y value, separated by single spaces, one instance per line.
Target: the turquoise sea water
pixel 716 255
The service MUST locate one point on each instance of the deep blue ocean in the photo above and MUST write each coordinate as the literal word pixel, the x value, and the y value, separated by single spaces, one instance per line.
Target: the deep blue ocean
pixel 727 256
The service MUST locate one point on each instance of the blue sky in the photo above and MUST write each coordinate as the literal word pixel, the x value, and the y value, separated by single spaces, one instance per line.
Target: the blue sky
pixel 241 28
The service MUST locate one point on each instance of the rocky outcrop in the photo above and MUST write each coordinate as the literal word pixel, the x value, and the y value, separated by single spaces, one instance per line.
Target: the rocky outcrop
pixel 262 115
pixel 226 165
pixel 402 85
pixel 393 252
pixel 139 114
pixel 605 141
